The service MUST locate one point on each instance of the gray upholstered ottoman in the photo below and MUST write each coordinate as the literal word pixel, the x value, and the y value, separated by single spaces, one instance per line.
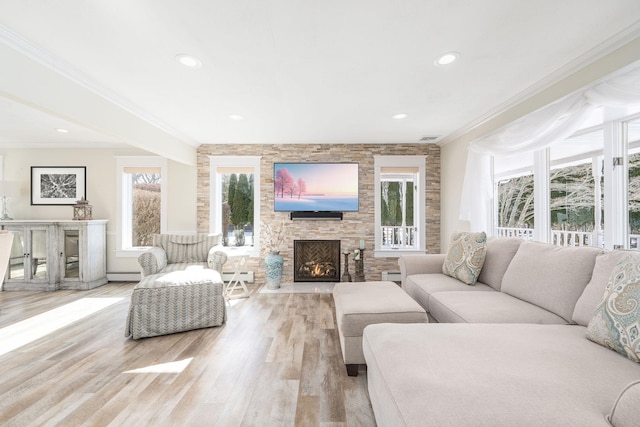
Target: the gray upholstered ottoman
pixel 359 304
pixel 179 301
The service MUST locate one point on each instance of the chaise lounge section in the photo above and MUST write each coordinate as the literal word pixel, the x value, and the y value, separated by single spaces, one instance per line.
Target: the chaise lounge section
pixel 511 348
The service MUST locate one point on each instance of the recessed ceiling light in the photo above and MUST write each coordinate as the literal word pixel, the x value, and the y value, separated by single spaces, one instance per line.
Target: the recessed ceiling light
pixel 447 58
pixel 61 130
pixel 188 60
pixel 400 116
pixel 236 117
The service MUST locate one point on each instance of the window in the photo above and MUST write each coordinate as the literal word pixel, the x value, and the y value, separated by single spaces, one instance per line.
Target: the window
pixel 593 194
pixel 235 201
pixel 633 146
pixel 513 186
pixel 142 201
pixel 399 204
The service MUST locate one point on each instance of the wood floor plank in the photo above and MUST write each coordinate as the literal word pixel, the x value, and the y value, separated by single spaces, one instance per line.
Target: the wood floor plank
pixel 276 362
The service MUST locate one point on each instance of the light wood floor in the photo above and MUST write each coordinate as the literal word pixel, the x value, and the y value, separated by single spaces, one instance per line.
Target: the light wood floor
pixel 276 362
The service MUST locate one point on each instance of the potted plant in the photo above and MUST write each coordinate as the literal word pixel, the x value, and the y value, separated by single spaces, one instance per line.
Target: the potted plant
pixel 273 240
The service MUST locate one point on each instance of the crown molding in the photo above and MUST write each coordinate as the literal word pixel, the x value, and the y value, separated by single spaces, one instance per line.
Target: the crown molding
pixel 65 145
pixel 600 51
pixel 57 65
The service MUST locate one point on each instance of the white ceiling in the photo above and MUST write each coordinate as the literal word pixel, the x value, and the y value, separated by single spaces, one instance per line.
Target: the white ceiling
pixel 298 71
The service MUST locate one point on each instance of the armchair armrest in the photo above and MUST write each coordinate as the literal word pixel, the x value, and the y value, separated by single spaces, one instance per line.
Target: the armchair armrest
pixel 216 258
pixel 152 261
pixel 420 264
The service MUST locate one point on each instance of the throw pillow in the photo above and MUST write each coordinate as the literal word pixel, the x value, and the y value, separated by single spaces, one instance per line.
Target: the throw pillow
pixel 616 321
pixel 465 257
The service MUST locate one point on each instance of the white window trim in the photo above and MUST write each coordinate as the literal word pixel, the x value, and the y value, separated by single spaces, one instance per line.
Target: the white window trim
pixel 215 197
pixel 418 199
pixel 123 222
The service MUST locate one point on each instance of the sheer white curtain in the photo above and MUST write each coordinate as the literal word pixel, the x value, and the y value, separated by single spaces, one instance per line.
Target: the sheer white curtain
pixel 540 129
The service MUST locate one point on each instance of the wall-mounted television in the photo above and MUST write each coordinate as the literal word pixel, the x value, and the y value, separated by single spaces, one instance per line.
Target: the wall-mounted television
pixel 315 187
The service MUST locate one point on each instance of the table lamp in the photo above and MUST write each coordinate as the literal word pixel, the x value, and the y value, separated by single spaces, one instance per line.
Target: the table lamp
pixel 7 189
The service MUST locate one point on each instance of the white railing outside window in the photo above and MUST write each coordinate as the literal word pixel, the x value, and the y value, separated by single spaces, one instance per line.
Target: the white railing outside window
pixel 523 233
pixel 398 237
pixel 575 238
pixel 566 238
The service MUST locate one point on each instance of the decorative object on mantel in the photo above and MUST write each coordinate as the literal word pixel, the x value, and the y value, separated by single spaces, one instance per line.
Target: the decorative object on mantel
pixel 346 277
pixel 57 185
pixel 82 210
pixel 273 261
pixel 358 256
pixel 7 189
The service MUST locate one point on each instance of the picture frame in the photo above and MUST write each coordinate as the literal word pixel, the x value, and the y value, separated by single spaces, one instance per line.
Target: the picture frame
pixel 58 185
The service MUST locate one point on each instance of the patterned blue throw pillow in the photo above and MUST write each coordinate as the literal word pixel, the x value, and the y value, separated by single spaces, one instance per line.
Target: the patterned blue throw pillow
pixel 465 257
pixel 616 321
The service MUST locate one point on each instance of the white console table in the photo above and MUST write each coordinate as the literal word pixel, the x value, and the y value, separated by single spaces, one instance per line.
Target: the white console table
pixel 52 255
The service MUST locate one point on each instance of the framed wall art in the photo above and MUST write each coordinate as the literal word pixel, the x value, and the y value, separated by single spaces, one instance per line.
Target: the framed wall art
pixel 58 185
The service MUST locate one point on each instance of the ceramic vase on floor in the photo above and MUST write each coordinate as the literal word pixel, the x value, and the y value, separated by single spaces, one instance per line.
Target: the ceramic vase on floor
pixel 273 265
pixel 6 240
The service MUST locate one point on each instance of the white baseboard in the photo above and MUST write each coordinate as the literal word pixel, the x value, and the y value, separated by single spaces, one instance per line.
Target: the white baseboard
pixel 123 277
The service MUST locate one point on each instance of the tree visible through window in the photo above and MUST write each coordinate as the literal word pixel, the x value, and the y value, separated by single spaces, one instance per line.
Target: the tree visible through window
pixel 515 202
pixel 397 210
pixel 634 199
pixel 573 198
pixel 146 207
pixel 237 208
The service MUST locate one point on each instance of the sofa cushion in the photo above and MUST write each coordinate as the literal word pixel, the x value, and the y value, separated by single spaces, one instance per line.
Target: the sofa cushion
pixel 549 276
pixel 592 295
pixel 487 307
pixel 500 252
pixel 616 321
pixel 626 411
pixel 466 256
pixel 491 375
pixel 421 286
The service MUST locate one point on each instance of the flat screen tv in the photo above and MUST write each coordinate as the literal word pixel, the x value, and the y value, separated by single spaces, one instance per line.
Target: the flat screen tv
pixel 316 187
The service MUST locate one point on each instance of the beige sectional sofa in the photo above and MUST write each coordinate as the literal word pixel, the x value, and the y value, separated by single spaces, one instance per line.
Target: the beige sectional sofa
pixel 509 350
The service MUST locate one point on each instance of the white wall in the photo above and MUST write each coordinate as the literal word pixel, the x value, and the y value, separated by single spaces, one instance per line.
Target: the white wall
pixel 101 190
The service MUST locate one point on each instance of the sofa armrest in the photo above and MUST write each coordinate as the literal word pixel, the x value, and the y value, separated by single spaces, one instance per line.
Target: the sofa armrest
pixel 626 411
pixel 420 264
pixel 152 261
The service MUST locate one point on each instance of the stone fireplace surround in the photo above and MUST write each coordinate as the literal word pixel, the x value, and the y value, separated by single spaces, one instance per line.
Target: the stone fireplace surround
pixel 354 226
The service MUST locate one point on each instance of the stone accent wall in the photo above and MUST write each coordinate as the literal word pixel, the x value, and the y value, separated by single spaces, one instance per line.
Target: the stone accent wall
pixel 355 225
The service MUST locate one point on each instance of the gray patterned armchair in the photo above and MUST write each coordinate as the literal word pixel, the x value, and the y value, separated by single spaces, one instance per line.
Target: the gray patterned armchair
pixel 171 252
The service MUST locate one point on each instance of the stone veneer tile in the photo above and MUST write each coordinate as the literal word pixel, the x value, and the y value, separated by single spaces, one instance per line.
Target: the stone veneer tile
pixel 355 225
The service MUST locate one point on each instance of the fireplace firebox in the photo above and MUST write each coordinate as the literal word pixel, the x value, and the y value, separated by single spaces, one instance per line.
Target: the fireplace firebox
pixel 316 260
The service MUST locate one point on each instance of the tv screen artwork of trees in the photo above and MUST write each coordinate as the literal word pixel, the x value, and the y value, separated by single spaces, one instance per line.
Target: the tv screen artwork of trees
pixel 316 187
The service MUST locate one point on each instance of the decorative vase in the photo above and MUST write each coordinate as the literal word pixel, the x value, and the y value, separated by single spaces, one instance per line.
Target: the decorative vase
pixel 273 265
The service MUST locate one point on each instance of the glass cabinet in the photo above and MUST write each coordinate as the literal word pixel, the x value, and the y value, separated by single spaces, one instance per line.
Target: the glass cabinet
pixel 50 255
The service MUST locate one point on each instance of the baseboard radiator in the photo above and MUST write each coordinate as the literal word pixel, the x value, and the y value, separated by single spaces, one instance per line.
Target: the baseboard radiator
pixel 393 276
pixel 247 276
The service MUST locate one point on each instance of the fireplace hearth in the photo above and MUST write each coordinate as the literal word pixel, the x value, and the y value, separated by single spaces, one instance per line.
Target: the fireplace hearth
pixel 316 260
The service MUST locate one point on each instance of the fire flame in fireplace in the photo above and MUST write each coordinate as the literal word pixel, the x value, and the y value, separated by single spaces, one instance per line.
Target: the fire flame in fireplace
pixel 318 269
